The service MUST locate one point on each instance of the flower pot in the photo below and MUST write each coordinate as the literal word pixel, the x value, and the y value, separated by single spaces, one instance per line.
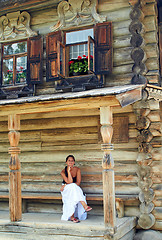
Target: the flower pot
pixel 76 73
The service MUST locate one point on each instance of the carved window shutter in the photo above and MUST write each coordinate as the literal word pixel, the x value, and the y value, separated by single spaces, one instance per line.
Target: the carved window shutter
pixel 103 48
pixel 52 55
pixel 35 64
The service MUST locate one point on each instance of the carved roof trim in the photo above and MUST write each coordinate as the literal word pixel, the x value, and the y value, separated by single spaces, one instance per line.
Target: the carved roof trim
pixel 154 92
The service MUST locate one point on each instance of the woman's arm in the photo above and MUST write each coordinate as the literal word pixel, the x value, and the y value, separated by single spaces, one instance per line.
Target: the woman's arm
pixel 78 179
pixel 68 179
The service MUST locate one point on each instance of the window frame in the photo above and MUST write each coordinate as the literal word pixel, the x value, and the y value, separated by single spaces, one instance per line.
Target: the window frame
pixel 14 57
pixel 67 52
pixel 34 70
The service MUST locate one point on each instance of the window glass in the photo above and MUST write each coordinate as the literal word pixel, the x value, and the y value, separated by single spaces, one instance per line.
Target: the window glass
pixel 78 36
pixel 8 71
pixel 21 69
pixel 78 50
pixel 15 48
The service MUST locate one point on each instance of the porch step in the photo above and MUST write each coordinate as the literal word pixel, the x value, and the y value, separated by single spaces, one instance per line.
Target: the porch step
pixel 43 226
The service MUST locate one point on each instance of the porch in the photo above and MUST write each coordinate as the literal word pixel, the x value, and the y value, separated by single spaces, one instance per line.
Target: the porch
pixel 49 226
pixel 64 108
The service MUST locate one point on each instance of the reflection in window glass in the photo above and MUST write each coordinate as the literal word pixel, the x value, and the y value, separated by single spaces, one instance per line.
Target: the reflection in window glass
pixel 15 48
pixel 78 50
pixel 21 69
pixel 78 36
pixel 8 71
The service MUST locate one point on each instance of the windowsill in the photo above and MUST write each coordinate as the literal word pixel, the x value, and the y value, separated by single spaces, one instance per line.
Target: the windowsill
pixel 79 83
pixel 14 87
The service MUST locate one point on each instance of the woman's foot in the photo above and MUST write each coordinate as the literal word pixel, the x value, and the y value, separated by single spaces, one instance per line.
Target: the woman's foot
pixel 88 208
pixel 74 220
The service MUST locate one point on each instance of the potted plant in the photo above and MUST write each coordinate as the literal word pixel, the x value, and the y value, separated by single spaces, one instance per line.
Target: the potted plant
pixel 21 75
pixel 78 66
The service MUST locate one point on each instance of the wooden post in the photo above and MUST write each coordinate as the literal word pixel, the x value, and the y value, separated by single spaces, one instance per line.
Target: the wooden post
pixel 106 121
pixel 14 165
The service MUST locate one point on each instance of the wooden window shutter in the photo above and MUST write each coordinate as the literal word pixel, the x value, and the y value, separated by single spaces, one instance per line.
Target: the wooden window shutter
pixel 103 48
pixel 35 64
pixel 51 55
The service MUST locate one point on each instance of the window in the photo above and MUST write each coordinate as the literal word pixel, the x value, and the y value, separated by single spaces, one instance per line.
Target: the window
pixel 21 62
pixel 79 52
pixel 14 66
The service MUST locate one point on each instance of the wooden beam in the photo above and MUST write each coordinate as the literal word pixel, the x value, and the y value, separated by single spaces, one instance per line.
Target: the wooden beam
pixel 106 121
pixel 14 165
pixel 58 105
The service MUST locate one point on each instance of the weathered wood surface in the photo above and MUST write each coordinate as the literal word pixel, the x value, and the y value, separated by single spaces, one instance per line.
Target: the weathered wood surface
pixel 14 165
pixel 43 157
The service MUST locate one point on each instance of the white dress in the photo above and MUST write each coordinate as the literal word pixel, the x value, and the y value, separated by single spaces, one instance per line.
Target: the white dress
pixel 71 197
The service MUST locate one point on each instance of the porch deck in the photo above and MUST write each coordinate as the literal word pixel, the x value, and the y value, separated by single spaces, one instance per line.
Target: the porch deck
pixel 44 226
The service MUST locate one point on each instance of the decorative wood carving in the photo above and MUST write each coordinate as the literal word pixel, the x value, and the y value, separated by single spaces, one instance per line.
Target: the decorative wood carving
pixel 136 41
pixel 14 165
pixel 15 25
pixel 80 10
pixel 106 121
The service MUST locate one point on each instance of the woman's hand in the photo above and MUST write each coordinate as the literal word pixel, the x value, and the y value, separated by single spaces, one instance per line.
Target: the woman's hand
pixel 62 187
pixel 68 168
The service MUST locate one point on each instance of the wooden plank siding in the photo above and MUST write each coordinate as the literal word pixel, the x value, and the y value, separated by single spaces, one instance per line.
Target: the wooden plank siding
pixel 45 144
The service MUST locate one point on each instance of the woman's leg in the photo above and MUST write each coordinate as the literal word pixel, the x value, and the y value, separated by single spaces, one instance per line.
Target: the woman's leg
pixel 86 207
pixel 73 219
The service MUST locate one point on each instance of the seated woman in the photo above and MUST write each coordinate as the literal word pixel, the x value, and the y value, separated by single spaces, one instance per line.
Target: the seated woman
pixel 74 202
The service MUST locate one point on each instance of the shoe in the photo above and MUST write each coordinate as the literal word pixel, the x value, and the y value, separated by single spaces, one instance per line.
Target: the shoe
pixel 75 220
pixel 88 209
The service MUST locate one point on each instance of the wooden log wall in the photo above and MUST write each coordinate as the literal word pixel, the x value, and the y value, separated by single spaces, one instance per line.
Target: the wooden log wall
pixel 119 14
pixel 46 140
pixel 149 125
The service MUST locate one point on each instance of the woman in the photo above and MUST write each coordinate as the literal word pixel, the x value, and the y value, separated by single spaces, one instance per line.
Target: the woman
pixel 74 203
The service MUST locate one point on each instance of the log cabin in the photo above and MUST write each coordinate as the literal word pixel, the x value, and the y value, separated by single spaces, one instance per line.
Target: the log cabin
pixel 82 78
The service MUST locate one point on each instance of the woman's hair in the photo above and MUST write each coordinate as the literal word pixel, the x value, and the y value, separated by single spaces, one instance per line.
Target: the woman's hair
pixel 70 156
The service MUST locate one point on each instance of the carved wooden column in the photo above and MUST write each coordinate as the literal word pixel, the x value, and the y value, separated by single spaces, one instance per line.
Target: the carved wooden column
pixel 106 121
pixel 14 165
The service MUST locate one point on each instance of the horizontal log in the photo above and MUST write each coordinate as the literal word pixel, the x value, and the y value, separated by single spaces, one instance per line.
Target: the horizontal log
pixel 121 42
pixel 151 50
pixel 150 23
pixel 121 28
pixel 86 155
pixel 26 136
pixel 86 177
pixel 122 56
pixel 131 211
pixel 122 69
pixel 69 134
pixel 154 116
pixel 25 147
pixel 156 154
pixel 149 9
pixel 133 133
pixel 112 6
pixel 157 226
pixel 157 213
pixel 150 37
pixel 74 113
